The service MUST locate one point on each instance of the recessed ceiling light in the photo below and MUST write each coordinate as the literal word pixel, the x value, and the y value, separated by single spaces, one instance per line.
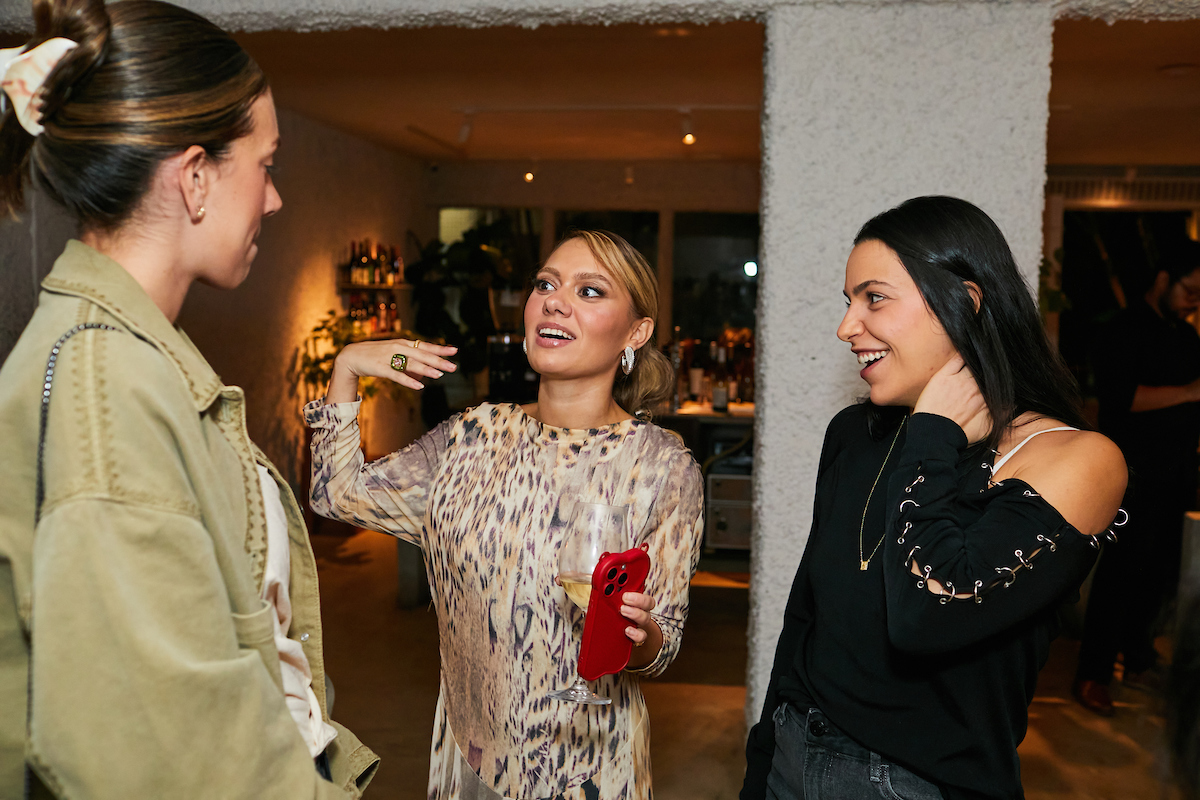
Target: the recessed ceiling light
pixel 686 123
pixel 1181 70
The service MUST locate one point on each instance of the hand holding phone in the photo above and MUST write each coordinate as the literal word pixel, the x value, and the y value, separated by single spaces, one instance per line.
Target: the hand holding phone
pixel 605 648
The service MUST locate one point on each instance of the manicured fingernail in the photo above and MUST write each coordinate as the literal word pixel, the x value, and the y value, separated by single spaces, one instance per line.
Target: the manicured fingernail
pixel 439 373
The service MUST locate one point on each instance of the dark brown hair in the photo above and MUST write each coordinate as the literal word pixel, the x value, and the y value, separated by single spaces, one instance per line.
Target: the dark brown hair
pixel 652 379
pixel 147 81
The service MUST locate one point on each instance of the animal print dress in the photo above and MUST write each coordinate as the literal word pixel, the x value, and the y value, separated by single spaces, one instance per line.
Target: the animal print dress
pixel 487 495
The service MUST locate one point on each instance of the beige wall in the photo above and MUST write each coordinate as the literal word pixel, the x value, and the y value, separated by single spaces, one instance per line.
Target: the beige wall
pixel 28 247
pixel 335 188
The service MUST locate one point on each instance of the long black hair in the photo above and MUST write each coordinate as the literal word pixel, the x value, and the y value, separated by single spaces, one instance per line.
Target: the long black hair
pixel 943 242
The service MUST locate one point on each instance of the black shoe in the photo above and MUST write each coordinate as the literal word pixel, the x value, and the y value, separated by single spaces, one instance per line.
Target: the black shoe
pixel 1094 696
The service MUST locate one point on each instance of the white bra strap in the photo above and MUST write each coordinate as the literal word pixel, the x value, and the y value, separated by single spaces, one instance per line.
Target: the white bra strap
pixel 1002 461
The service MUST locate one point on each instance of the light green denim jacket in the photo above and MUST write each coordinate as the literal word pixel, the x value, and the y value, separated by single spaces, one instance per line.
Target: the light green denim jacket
pixel 155 674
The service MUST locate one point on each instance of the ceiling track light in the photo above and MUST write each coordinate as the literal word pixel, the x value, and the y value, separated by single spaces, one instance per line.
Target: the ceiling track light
pixel 686 123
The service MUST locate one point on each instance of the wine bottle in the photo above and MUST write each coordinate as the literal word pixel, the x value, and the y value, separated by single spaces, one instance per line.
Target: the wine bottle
pixel 720 382
pixel 696 373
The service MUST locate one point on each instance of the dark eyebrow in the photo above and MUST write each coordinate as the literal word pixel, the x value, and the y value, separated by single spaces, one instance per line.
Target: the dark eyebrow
pixel 867 284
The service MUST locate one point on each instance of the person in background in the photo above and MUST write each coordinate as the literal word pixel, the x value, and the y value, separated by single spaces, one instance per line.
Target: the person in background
pixel 1148 382
pixel 955 511
pixel 160 629
pixel 1183 698
pixel 487 495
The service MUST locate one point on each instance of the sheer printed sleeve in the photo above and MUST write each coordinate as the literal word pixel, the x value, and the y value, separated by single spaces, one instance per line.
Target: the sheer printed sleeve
pixel 1014 560
pixel 674 534
pixel 388 495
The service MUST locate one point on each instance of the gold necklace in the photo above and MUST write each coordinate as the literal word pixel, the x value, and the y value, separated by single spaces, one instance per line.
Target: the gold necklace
pixel 864 562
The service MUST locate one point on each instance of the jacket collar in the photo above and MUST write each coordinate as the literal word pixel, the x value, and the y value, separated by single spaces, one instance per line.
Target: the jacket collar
pixel 82 271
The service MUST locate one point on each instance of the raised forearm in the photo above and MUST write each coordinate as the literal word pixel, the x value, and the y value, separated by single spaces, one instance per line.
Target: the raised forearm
pixel 1152 398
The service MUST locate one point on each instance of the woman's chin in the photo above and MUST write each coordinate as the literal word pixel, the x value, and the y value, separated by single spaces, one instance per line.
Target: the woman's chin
pixel 880 396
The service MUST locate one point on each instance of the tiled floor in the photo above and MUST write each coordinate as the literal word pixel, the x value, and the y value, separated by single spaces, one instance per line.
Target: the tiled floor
pixel 384 662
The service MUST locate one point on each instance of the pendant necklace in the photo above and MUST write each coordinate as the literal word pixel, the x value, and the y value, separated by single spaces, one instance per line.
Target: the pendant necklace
pixel 863 562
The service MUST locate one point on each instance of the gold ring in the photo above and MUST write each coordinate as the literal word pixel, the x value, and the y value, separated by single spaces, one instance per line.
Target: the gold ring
pixel 639 644
pixel 416 344
pixel 399 362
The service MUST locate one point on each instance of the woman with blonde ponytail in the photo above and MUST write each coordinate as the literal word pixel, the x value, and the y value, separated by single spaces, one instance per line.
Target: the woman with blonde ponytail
pixel 160 629
pixel 487 494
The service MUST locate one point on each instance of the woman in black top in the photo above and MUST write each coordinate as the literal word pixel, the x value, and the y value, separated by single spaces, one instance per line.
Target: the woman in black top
pixel 946 530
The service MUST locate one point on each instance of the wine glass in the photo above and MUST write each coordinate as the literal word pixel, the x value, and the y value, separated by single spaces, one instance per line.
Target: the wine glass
pixel 594 529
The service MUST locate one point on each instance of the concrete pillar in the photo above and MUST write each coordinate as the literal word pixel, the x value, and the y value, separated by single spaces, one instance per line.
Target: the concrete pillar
pixel 866 106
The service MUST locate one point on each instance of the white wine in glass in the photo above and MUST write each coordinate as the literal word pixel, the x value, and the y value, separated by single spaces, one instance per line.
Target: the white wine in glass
pixel 594 529
pixel 578 587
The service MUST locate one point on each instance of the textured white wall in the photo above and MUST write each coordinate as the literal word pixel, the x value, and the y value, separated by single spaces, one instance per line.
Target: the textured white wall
pixel 310 15
pixel 867 107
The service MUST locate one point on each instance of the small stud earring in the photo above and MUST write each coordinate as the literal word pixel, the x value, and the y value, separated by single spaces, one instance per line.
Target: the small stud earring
pixel 200 213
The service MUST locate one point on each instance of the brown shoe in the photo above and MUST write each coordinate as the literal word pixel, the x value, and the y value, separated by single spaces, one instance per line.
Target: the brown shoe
pixel 1093 696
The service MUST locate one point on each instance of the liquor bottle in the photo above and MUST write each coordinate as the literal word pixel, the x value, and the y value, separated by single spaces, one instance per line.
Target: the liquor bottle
pixel 746 373
pixel 343 272
pixel 675 352
pixel 696 374
pixel 398 265
pixel 364 263
pixel 735 380
pixel 720 382
pixel 382 322
pixel 356 329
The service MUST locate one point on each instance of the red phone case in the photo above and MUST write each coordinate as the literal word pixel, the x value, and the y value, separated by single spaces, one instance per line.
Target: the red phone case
pixel 605 648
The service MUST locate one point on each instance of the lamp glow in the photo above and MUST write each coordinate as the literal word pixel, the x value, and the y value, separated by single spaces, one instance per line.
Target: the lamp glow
pixel 750 268
pixel 529 177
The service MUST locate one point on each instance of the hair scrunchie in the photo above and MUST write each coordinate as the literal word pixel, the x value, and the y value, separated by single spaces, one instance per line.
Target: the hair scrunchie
pixel 22 75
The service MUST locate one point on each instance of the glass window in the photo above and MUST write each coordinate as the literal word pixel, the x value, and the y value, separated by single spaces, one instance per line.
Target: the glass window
pixel 715 274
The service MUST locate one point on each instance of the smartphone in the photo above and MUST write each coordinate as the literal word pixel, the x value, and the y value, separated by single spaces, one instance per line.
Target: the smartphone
pixel 605 648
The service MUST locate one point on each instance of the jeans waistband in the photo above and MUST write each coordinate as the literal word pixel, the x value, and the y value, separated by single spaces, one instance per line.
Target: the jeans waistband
pixel 819 731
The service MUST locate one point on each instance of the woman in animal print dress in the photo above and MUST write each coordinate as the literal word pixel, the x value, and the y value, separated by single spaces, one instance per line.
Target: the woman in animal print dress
pixel 487 494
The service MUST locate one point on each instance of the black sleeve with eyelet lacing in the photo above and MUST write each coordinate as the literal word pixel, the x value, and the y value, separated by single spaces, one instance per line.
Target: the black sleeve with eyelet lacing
pixel 1005 547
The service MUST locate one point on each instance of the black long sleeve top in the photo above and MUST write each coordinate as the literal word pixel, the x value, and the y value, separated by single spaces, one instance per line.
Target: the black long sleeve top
pixel 941 686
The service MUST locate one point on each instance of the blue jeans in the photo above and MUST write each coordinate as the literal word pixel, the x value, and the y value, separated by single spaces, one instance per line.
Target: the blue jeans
pixel 815 761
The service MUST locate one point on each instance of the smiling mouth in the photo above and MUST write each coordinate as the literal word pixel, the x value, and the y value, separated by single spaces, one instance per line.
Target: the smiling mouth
pixel 555 333
pixel 871 356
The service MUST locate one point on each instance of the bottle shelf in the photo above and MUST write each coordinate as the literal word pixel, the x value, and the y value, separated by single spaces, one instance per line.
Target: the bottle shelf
pixel 371 287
